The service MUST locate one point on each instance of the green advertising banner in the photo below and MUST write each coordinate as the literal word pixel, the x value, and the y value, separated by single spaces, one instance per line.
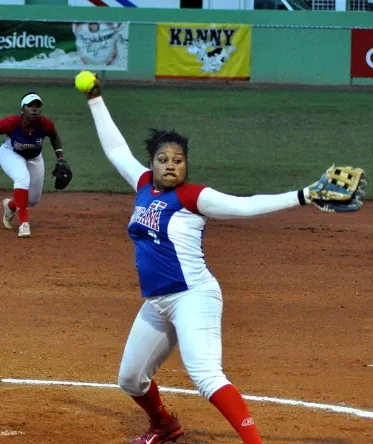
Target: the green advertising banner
pixel 64 45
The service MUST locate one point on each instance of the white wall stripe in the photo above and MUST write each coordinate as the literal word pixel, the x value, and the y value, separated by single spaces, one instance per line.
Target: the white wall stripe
pixel 312 405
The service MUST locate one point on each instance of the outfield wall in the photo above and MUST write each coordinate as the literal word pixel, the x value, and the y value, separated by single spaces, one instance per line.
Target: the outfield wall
pixel 305 47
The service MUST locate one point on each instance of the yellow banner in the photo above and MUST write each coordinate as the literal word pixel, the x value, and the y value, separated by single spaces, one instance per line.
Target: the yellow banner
pixel 200 50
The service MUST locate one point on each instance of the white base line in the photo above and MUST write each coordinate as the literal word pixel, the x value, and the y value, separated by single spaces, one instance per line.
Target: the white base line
pixel 294 402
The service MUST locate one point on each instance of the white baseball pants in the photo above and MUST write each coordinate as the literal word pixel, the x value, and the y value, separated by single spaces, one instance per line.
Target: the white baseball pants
pixel 26 174
pixel 191 318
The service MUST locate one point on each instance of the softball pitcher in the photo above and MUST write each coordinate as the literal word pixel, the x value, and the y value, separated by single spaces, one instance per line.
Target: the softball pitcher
pixel 183 301
pixel 22 161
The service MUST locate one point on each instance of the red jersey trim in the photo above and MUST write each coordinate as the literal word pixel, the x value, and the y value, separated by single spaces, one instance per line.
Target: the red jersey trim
pixel 48 126
pixel 188 195
pixel 10 123
pixel 145 178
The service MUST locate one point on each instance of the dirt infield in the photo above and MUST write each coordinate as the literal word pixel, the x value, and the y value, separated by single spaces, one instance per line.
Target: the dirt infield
pixel 298 325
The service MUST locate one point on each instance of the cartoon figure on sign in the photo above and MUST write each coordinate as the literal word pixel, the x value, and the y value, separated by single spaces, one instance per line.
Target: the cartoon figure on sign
pixel 97 43
pixel 212 57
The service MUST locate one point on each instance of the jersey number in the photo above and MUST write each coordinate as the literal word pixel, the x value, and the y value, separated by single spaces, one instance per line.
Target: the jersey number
pixel 154 236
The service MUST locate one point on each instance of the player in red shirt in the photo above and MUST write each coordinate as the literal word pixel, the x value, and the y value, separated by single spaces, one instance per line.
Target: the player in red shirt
pixel 22 161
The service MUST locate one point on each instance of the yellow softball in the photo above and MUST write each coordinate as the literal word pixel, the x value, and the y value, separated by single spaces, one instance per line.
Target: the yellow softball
pixel 85 81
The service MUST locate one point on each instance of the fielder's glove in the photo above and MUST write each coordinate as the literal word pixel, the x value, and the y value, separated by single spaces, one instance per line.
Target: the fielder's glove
pixel 340 189
pixel 63 174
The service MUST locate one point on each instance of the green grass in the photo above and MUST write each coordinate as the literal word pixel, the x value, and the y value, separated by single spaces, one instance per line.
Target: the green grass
pixel 242 141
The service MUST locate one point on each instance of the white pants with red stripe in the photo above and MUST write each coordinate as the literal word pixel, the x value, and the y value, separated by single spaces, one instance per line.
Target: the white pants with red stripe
pixel 25 174
pixel 193 320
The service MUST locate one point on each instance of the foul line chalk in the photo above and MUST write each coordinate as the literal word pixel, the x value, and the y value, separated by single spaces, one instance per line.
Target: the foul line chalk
pixel 311 405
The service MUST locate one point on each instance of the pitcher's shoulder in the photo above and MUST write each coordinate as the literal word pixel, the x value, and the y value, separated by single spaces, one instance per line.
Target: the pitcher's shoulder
pixel 188 195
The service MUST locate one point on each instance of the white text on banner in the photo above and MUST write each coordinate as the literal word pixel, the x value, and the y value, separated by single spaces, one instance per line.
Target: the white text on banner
pixel 61 45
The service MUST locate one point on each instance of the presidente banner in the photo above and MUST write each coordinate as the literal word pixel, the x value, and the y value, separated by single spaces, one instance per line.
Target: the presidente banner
pixel 361 53
pixel 63 45
pixel 128 3
pixel 205 51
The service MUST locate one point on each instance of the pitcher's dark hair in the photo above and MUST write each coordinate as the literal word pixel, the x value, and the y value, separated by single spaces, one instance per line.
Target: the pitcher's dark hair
pixel 159 137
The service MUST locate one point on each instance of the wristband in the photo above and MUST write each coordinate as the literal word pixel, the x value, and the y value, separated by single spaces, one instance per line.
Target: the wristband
pixel 302 200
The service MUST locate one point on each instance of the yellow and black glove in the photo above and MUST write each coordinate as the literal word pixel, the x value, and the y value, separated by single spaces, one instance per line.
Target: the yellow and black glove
pixel 340 189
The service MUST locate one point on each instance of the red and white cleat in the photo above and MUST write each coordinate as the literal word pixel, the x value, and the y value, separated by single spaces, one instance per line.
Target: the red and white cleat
pixel 161 433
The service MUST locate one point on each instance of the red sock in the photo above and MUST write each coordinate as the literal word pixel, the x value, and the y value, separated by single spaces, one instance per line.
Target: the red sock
pixel 12 206
pixel 232 406
pixel 152 404
pixel 20 197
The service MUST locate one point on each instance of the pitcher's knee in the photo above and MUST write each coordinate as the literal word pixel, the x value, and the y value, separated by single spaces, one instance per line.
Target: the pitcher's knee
pixel 134 384
pixel 22 182
pixel 208 385
pixel 33 201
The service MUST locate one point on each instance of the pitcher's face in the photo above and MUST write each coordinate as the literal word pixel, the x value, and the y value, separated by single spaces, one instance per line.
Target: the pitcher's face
pixel 169 167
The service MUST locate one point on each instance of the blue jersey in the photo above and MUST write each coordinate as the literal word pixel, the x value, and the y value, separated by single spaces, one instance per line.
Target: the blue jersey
pixel 27 144
pixel 167 231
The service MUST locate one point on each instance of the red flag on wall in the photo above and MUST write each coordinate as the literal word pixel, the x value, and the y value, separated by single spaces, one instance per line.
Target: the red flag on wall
pixel 361 53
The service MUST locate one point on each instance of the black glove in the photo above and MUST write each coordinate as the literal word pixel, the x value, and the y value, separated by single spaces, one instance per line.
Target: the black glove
pixel 63 174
